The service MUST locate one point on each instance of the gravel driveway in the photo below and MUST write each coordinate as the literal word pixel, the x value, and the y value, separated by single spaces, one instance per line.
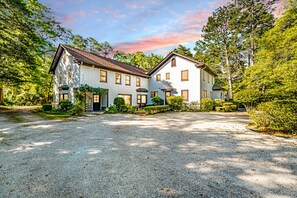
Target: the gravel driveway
pixel 164 155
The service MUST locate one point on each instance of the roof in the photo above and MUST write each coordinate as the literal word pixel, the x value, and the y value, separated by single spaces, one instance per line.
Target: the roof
pixel 197 63
pixel 91 59
pixel 217 88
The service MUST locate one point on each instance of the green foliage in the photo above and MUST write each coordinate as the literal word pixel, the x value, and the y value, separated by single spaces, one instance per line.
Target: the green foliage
pixel 175 102
pixel 249 98
pixel 131 109
pixel 156 100
pixel 65 105
pixel 118 102
pixel 123 108
pixel 156 109
pixel 88 88
pixel 193 106
pixel 206 104
pixel 77 109
pixel 111 110
pixel 276 115
pixel 218 102
pixel 47 107
pixel 182 50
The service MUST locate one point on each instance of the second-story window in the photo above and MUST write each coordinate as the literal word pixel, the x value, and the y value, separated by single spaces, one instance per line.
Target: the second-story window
pixel 168 76
pixel 158 77
pixel 137 82
pixel 60 78
pixel 103 76
pixel 184 75
pixel 118 78
pixel 64 58
pixel 128 80
pixel 173 62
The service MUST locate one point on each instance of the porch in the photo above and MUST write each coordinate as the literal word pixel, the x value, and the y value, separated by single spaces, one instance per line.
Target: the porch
pixel 95 102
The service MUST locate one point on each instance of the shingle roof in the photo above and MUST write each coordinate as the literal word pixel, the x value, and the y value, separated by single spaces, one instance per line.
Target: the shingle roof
pixel 217 88
pixel 197 64
pixel 93 59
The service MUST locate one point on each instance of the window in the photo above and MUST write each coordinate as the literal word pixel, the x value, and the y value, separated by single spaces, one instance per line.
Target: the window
pixel 184 75
pixel 128 80
pixel 137 82
pixel 141 99
pixel 168 76
pixel 158 77
pixel 204 94
pixel 96 98
pixel 210 94
pixel 203 75
pixel 185 95
pixel 103 76
pixel 60 78
pixel 64 96
pixel 127 98
pixel 213 80
pixel 118 78
pixel 154 94
pixel 208 78
pixel 69 76
pixel 173 62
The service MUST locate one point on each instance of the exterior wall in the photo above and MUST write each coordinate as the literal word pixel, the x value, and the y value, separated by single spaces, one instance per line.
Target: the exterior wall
pixel 62 68
pixel 205 85
pixel 218 95
pixel 91 76
pixel 192 85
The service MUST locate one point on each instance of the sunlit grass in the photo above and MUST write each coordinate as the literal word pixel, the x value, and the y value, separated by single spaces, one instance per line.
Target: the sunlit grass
pixel 53 116
pixel 17 118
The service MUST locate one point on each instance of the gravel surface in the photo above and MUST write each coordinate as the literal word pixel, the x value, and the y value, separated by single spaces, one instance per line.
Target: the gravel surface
pixel 164 155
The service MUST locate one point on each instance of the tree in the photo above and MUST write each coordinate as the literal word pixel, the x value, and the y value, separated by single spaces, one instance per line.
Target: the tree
pixel 255 18
pixel 27 31
pixel 182 50
pixel 79 42
pixel 275 71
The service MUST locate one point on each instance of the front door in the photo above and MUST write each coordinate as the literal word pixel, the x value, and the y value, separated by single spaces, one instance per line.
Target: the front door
pixel 96 102
pixel 167 94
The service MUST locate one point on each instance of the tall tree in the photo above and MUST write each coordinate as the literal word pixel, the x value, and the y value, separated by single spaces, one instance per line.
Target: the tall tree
pixel 182 50
pixel 79 42
pixel 27 31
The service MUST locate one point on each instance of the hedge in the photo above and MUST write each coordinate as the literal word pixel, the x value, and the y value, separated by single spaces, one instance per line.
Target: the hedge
pixel 47 107
pixel 156 109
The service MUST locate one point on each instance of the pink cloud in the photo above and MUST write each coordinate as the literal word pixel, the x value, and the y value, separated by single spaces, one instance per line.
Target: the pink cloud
pixel 68 19
pixel 131 5
pixel 113 12
pixel 196 18
pixel 156 41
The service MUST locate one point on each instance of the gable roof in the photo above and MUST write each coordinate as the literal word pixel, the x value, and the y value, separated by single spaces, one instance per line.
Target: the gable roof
pixel 91 59
pixel 197 64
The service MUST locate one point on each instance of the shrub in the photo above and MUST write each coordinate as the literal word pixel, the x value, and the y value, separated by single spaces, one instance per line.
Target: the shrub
pixel 175 102
pixel 229 108
pixel 276 115
pixel 131 109
pixel 249 98
pixel 118 102
pixel 206 104
pixel 65 105
pixel 156 100
pixel 218 102
pixel 47 107
pixel 192 106
pixel 78 109
pixel 123 108
pixel 112 109
pixel 156 109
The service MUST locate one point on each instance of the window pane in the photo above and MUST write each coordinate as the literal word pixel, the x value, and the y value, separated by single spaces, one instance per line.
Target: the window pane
pixel 128 80
pixel 65 96
pixel 173 62
pixel 184 75
pixel 143 99
pixel 184 94
pixel 118 78
pixel 103 76
pixel 158 77
pixel 167 76
pixel 138 82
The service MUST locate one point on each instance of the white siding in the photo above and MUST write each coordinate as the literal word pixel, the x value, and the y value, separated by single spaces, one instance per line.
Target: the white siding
pixel 205 84
pixel 91 76
pixel 192 85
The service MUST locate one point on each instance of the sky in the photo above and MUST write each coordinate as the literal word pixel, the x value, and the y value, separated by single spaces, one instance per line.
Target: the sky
pixel 151 26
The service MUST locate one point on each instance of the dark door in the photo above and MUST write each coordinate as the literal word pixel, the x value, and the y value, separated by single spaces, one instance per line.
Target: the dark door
pixel 96 102
pixel 167 94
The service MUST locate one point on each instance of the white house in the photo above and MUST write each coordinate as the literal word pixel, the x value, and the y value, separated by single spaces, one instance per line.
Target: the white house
pixel 174 75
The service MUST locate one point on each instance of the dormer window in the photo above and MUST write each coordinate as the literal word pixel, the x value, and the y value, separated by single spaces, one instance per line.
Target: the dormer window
pixel 173 62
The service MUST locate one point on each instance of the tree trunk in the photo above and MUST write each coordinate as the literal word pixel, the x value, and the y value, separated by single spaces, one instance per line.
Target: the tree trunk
pixel 1 95
pixel 229 79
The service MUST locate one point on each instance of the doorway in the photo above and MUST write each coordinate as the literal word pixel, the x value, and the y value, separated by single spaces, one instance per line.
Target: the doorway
pixel 167 94
pixel 96 102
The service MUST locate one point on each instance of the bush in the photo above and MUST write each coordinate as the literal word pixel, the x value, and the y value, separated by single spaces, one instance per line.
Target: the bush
pixel 206 104
pixel 249 98
pixel 47 107
pixel 175 102
pixel 65 105
pixel 276 115
pixel 156 109
pixel 218 102
pixel 112 109
pixel 78 109
pixel 118 102
pixel 131 109
pixel 123 108
pixel 157 100
pixel 193 106
pixel 229 108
